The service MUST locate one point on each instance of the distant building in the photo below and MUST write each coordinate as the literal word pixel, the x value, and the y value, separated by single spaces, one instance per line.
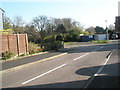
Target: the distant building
pixel 100 37
pixel 117 22
pixel 117 26
pixel 1 18
pixel 87 38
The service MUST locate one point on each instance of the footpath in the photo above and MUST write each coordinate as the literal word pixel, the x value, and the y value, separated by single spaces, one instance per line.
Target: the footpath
pixel 18 63
pixel 21 62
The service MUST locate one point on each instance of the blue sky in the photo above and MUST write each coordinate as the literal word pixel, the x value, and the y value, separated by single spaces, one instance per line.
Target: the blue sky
pixel 87 12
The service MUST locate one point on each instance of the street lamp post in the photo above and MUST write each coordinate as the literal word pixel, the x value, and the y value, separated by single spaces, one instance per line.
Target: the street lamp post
pixel 106 30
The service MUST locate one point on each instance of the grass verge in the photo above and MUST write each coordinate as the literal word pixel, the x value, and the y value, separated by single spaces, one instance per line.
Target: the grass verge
pixel 69 42
pixel 101 41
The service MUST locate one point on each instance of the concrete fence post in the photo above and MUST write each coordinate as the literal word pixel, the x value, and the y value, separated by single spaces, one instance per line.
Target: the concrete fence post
pixel 26 43
pixel 18 49
pixel 0 45
pixel 8 42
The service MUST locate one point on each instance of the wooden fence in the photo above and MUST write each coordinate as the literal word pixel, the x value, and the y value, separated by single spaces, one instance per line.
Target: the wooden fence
pixel 16 43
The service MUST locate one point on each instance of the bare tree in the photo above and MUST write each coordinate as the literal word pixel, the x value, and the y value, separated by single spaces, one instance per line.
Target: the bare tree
pixel 111 27
pixel 91 30
pixel 33 34
pixel 67 22
pixel 40 24
pixel 18 25
pixel 18 21
pixel 7 23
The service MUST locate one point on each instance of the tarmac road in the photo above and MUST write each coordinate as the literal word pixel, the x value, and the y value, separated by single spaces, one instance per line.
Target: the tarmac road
pixel 72 70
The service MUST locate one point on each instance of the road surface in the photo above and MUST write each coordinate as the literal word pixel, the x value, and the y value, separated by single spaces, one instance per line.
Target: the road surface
pixel 71 70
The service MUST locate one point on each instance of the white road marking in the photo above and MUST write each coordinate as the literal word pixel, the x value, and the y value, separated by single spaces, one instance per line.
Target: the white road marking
pixel 85 54
pixel 43 74
pixel 103 64
pixel 57 68
pixel 81 56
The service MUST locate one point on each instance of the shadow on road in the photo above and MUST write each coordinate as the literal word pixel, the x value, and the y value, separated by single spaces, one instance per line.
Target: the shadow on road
pixel 108 79
pixel 80 49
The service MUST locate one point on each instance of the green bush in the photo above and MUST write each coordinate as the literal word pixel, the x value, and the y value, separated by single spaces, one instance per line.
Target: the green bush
pixel 21 55
pixel 36 50
pixel 7 55
pixel 72 36
pixel 53 45
pixel 33 48
pixel 59 37
pixel 49 39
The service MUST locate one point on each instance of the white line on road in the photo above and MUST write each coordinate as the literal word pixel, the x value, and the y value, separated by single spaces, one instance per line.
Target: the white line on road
pixel 43 74
pixel 81 56
pixel 103 64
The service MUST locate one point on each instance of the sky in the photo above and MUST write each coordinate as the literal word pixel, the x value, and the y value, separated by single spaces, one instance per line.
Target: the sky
pixel 87 12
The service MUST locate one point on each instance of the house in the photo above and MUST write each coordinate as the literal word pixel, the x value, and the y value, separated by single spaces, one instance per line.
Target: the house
pixel 1 18
pixel 117 26
pixel 86 38
pixel 117 22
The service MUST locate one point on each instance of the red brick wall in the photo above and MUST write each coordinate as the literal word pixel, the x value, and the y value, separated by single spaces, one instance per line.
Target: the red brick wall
pixel 12 43
pixel 16 43
pixel 5 41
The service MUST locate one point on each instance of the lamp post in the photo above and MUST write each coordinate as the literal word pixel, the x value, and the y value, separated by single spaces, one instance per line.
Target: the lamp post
pixel 106 30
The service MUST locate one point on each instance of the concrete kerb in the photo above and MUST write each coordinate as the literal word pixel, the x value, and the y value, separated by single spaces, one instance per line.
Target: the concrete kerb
pixel 24 56
pixel 28 64
pixel 92 77
pixel 48 52
pixel 39 61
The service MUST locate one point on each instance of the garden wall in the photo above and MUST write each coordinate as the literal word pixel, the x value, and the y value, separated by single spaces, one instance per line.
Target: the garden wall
pixel 16 43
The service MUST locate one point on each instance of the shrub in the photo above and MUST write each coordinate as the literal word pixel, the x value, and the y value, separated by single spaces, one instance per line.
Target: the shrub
pixel 53 45
pixel 49 39
pixel 72 36
pixel 59 37
pixel 31 51
pixel 7 55
pixel 33 48
pixel 37 50
pixel 21 55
